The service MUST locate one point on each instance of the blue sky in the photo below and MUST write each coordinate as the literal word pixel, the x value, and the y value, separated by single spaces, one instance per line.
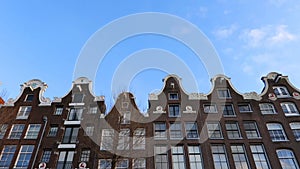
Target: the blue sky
pixel 42 39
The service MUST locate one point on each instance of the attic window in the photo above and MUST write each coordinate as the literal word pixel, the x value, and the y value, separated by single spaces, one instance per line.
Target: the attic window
pixel 281 91
pixel 77 98
pixel 173 96
pixel 29 98
pixel 172 85
pixel 224 93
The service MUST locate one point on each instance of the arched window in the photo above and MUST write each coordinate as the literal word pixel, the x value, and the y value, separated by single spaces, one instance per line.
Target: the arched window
pixel 287 159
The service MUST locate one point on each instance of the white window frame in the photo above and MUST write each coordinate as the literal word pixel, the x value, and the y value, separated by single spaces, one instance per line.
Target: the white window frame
pixel 139 139
pixel 295 126
pixel 107 163
pixel 89 130
pixel 233 128
pixel 161 152
pixel 210 108
pixel 33 131
pixel 178 158
pixel 24 112
pixel 251 130
pixel 15 129
pixel 224 94
pixel 7 154
pixel 124 139
pixel 249 109
pixel 139 163
pixel 191 132
pixel 25 150
pixel 53 129
pixel 221 154
pixel 125 118
pixel 174 130
pixel 162 133
pixel 260 156
pixel 3 129
pixel 289 109
pixel 77 101
pixel 122 161
pixel 213 127
pixel 289 158
pixel 281 91
pixel 85 155
pixel 273 129
pixel 174 107
pixel 239 150
pixel 58 110
pixel 195 157
pixel 267 108
pixel 107 138
pixel 224 107
pixel 93 110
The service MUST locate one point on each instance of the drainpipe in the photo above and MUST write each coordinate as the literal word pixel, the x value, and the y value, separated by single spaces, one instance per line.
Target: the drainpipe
pixel 45 119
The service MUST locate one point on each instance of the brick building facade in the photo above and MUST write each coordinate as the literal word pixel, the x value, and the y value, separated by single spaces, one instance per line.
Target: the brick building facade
pixel 180 130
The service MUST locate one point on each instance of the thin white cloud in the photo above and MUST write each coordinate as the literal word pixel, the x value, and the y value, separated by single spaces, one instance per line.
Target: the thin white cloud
pixel 225 32
pixel 267 36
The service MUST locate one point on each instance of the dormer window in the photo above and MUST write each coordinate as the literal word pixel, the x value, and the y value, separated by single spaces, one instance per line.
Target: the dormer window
pixel 77 98
pixel 224 94
pixel 173 96
pixel 75 114
pixel 125 119
pixel 281 91
pixel 29 98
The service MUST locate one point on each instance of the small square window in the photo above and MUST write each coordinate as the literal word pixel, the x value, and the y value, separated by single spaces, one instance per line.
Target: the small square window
pixel 210 108
pixel 53 131
pixel 93 110
pixel 46 156
pixel 233 131
pixel 244 108
pixel 85 155
pixel 29 98
pixel 58 110
pixel 173 96
pixel 125 119
pixel 224 94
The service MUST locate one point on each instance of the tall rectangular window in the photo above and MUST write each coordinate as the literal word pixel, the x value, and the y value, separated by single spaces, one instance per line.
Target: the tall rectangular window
pixel 58 110
pixel 251 130
pixel 107 139
pixel 228 110
pixel 46 156
pixel 33 131
pixel 160 130
pixel 287 159
pixel 174 110
pixel 85 155
pixel 16 131
pixel 139 163
pixel 195 157
pixel 3 128
pixel 24 156
pixel 276 132
pixel 239 157
pixel 224 94
pixel 139 140
pixel 267 108
pixel 161 157
pixel 219 156
pixel 65 160
pixel 260 156
pixel 124 139
pixel 178 159
pixel 295 126
pixel 175 130
pixel 70 136
pixel 214 130
pixel 53 131
pixel 233 131
pixel 24 112
pixel 75 114
pixel 289 109
pixel 7 155
pixel 125 119
pixel 191 130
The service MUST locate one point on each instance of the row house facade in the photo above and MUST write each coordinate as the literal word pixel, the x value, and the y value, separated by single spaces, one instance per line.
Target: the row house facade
pixel 219 130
